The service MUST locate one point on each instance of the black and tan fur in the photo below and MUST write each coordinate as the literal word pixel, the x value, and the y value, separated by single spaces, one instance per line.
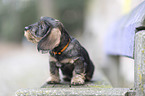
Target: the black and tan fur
pixel 65 51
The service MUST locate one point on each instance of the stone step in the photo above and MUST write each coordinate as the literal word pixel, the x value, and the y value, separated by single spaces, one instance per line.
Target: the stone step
pixel 76 92
pixel 100 88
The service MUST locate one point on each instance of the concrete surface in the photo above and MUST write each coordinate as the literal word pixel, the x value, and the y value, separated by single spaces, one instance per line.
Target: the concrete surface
pixel 140 63
pixel 76 92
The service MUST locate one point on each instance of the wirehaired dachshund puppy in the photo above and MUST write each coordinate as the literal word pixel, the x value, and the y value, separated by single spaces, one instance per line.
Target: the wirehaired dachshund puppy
pixel 65 51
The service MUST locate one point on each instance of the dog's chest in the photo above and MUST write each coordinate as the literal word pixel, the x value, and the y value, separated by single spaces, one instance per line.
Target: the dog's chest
pixel 60 63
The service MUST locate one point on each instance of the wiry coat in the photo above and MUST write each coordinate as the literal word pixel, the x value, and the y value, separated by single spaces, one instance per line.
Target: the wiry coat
pixel 65 51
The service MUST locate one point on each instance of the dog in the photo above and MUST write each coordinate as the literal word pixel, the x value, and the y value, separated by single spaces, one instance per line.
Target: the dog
pixel 66 53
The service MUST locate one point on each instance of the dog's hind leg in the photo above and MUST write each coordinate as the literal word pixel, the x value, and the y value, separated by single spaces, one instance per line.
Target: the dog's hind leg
pixel 89 71
pixel 78 72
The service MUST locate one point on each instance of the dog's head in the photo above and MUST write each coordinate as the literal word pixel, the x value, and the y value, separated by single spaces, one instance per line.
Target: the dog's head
pixel 46 33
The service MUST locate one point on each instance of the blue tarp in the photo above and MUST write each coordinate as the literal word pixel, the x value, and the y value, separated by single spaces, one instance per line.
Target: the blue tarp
pixel 120 37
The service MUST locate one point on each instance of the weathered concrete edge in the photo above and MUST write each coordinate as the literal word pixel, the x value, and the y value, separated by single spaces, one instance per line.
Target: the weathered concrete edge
pixel 75 91
pixel 139 63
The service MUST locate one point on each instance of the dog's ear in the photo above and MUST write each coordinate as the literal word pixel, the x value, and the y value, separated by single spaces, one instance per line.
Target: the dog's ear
pixel 50 40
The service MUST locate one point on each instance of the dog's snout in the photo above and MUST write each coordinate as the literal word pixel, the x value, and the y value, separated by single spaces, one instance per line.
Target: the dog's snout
pixel 26 28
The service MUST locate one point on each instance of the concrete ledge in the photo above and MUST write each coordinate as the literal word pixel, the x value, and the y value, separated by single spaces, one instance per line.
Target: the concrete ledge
pixel 76 91
pixel 64 88
pixel 101 88
pixel 91 84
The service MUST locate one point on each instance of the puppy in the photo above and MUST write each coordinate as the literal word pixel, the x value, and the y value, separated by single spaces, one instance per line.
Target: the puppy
pixel 65 51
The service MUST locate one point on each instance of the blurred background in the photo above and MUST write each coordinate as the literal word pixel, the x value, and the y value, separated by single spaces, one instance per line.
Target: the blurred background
pixel 22 66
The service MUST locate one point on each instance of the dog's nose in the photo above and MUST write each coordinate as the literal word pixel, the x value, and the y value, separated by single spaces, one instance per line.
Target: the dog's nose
pixel 26 28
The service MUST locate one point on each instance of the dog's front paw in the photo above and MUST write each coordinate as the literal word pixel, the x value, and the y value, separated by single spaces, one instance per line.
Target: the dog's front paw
pixel 77 80
pixel 53 81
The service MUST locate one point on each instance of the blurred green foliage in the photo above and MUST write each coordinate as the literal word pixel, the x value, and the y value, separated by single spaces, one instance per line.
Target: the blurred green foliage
pixel 71 13
pixel 16 14
pixel 13 19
